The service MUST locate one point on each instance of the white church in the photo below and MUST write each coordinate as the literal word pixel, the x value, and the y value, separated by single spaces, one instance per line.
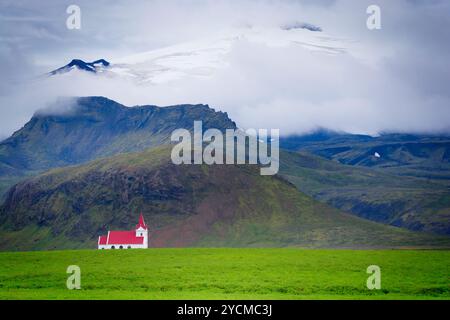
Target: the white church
pixel 133 239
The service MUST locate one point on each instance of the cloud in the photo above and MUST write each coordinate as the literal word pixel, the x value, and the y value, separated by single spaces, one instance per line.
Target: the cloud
pixel 393 79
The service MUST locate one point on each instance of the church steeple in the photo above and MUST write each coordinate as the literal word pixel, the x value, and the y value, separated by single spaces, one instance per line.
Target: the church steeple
pixel 142 230
pixel 141 223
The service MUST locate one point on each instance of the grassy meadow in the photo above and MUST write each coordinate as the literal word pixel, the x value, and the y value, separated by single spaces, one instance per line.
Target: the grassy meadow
pixel 226 274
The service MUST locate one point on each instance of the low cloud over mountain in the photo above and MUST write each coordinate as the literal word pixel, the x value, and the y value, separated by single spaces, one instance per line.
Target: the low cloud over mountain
pixel 238 57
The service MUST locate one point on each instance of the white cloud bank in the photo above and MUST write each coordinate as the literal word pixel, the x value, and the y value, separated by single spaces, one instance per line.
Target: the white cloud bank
pixel 394 79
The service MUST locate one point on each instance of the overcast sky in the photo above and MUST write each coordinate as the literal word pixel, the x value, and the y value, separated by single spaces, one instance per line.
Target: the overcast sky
pixel 393 79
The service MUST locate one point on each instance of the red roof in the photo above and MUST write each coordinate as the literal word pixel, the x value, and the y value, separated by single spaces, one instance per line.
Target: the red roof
pixel 141 223
pixel 124 237
pixel 102 239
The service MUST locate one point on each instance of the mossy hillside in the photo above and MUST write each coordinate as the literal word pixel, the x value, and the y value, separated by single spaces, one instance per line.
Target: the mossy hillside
pixel 187 205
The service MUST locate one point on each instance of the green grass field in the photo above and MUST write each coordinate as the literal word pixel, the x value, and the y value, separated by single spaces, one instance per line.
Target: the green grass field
pixel 226 274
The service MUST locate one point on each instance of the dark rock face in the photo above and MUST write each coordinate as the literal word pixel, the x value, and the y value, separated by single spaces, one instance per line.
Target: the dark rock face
pixel 81 65
pixel 112 193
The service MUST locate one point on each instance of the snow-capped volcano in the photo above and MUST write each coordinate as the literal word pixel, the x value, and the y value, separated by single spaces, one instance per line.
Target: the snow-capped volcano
pixel 204 57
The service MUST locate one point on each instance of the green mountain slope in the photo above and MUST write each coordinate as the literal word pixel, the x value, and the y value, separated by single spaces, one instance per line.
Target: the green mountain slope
pixel 408 186
pixel 375 194
pixel 83 129
pixel 425 156
pixel 187 205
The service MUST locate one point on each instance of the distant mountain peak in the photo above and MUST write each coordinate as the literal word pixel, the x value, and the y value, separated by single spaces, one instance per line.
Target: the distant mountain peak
pixel 101 61
pixel 79 64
